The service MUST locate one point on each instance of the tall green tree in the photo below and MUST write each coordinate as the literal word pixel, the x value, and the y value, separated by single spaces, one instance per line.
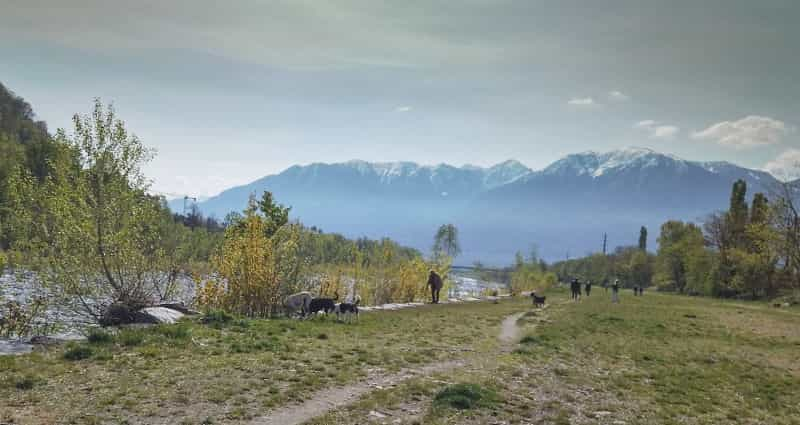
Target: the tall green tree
pixel 737 216
pixel 759 210
pixel 677 243
pixel 445 242
pixel 276 215
pixel 643 238
pixel 94 227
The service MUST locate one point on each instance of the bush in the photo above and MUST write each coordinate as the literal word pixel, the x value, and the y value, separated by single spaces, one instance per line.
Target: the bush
pixel 216 318
pixel 130 337
pixel 76 352
pixel 180 331
pixel 99 336
pixel 24 382
pixel 253 345
pixel 466 396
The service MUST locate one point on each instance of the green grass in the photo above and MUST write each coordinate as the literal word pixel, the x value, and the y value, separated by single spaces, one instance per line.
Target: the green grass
pixel 657 359
pixel 228 369
pixel 75 352
pixel 466 396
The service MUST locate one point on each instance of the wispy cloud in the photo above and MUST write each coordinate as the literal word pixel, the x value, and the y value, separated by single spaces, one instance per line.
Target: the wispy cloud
pixel 618 96
pixel 657 130
pixel 582 101
pixel 748 132
pixel 786 166
pixel 403 109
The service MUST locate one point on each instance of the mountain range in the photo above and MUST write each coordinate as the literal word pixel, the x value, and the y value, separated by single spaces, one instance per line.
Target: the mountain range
pixel 563 209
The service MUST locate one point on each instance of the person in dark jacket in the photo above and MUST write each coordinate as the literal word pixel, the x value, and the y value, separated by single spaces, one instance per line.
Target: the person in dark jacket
pixel 588 287
pixel 435 282
pixel 575 286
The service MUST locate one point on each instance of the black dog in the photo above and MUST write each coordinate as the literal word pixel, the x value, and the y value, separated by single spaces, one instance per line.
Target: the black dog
pixel 327 305
pixel 348 309
pixel 538 301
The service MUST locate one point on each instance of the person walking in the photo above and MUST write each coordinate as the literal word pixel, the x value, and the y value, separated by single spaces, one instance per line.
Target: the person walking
pixel 575 286
pixel 435 282
pixel 588 287
pixel 615 292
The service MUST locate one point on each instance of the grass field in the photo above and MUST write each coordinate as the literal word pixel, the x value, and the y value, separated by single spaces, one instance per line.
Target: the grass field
pixel 653 359
pixel 657 359
pixel 228 372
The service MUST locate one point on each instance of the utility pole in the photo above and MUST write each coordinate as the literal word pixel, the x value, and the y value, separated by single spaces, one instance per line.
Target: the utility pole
pixel 186 217
pixel 185 200
pixel 605 241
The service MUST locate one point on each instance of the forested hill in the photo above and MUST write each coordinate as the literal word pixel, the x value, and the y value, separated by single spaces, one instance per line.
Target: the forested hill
pixel 23 139
pixel 24 142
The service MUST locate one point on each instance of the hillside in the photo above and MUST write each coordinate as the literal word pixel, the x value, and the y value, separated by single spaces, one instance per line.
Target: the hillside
pixel 24 142
pixel 508 207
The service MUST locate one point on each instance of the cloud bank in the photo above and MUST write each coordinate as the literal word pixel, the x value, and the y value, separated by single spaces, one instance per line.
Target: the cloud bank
pixel 657 130
pixel 748 132
pixel 582 101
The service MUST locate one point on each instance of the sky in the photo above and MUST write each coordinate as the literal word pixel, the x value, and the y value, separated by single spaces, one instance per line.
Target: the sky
pixel 228 92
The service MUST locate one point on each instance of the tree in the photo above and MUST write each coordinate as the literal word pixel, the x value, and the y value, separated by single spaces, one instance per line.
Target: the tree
pixel 785 219
pixel 276 215
pixel 677 243
pixel 737 215
pixel 446 241
pixel 759 210
pixel 252 266
pixel 91 222
pixel 643 238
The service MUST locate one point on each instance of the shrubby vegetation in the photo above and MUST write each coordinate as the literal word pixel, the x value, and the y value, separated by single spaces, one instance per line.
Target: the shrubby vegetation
pixel 264 258
pixel 531 274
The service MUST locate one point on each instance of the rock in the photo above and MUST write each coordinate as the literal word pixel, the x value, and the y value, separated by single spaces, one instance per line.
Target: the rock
pixel 120 314
pixel 14 347
pixel 44 340
pixel 376 414
pixel 161 314
pixel 181 307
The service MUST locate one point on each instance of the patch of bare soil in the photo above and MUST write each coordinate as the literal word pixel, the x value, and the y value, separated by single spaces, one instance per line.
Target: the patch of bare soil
pixel 331 398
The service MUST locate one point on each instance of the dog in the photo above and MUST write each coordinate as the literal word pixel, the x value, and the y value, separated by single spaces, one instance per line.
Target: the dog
pixel 327 305
pixel 538 301
pixel 348 310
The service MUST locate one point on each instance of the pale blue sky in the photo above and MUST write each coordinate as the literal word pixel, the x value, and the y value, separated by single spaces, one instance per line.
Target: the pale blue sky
pixel 229 93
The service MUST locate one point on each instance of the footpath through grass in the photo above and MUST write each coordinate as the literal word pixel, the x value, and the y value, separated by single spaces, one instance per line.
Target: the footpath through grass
pixel 234 370
pixel 656 359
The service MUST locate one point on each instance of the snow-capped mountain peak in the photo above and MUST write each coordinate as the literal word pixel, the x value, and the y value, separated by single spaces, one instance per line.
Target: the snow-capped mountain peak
pixel 596 164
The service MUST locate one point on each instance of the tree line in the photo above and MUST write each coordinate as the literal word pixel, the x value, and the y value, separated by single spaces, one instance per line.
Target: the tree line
pixel 750 250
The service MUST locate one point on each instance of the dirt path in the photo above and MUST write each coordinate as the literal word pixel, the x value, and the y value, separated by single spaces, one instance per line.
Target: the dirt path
pixel 332 398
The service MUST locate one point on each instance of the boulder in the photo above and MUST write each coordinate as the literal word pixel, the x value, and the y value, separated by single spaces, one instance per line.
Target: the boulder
pixel 162 314
pixel 181 307
pixel 120 314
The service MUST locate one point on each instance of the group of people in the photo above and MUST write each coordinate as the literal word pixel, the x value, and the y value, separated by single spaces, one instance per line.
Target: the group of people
pixel 575 286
